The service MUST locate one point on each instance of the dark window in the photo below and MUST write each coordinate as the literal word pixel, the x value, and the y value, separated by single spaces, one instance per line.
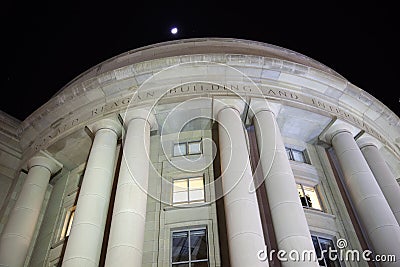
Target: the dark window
pixel 190 248
pixel 322 244
pixel 296 155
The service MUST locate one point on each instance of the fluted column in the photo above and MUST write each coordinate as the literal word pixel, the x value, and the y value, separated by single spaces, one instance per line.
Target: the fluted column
pixel 289 221
pixel 87 231
pixel 125 244
pixel 371 207
pixel 243 223
pixel 385 178
pixel 18 231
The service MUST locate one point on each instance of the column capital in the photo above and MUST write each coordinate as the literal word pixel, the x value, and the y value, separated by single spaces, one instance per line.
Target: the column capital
pixel 221 103
pixel 45 160
pixel 111 123
pixel 258 105
pixel 364 141
pixel 336 129
pixel 139 113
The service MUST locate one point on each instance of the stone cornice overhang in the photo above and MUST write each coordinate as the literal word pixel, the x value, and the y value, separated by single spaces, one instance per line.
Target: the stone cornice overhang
pixel 109 85
pixel 9 128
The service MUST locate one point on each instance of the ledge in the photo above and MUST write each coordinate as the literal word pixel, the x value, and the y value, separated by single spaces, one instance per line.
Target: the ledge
pixel 305 172
pixel 188 206
pixel 319 213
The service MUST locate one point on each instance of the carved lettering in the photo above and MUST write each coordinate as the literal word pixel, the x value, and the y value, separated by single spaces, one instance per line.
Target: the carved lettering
pixel 233 87
pixel 214 87
pixel 126 101
pixel 197 87
pixel 185 90
pixel 281 93
pixel 294 96
pixel 201 87
pixel 56 132
pixel 318 103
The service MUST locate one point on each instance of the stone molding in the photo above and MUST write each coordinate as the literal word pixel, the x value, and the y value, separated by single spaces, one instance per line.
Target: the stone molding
pixel 45 160
pixel 336 129
pixel 283 75
pixel 139 113
pixel 111 123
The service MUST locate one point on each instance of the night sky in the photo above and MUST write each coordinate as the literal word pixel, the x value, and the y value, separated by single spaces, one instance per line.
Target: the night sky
pixel 46 45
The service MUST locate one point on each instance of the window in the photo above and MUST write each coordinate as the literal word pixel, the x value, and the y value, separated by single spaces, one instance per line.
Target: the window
pixel 187 148
pixel 69 217
pixel 308 197
pixel 188 190
pixel 324 244
pixel 189 248
pixel 296 155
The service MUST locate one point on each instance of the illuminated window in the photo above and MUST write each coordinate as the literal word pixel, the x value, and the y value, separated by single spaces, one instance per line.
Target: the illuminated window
pixel 188 190
pixel 187 148
pixel 69 217
pixel 296 155
pixel 322 244
pixel 189 248
pixel 308 197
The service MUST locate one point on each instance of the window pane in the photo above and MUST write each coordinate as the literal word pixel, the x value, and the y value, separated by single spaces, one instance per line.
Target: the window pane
pixel 71 218
pixel 180 247
pixel 312 198
pixel 181 265
pixel 196 183
pixel 200 264
pixel 180 197
pixel 180 185
pixel 180 149
pixel 317 250
pixel 327 244
pixel 298 155
pixel 196 189
pixel 196 195
pixel 194 147
pixel 198 243
pixel 301 196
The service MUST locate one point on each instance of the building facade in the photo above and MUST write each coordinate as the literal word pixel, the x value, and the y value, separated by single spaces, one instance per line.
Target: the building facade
pixel 202 152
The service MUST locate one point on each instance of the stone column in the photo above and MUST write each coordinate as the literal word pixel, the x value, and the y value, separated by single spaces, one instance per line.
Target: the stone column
pixel 125 245
pixel 243 223
pixel 371 207
pixel 87 231
pixel 289 221
pixel 385 178
pixel 18 231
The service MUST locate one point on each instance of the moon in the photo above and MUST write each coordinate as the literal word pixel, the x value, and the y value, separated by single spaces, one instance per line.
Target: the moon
pixel 174 30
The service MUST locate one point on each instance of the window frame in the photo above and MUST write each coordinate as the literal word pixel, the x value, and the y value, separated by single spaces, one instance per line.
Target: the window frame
pixel 68 219
pixel 332 239
pixel 316 193
pixel 189 261
pixel 186 143
pixel 188 201
pixel 200 146
pixel 289 150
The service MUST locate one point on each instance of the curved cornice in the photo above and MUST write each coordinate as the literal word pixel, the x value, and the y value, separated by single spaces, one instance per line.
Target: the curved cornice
pixel 108 87
pixel 199 46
